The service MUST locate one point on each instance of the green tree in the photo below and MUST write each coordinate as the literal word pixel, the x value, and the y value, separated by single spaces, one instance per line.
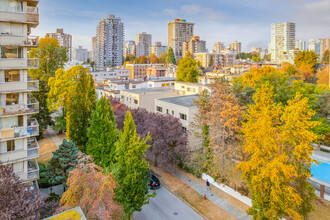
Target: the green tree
pixel 162 58
pixel 51 57
pixel 92 63
pixel 131 169
pixel 211 63
pixel 187 70
pixel 307 59
pixel 80 107
pixel 170 59
pixel 256 58
pixel 102 133
pixel 63 161
pixel 325 58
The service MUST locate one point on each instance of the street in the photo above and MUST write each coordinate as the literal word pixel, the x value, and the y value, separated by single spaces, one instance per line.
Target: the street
pixel 166 206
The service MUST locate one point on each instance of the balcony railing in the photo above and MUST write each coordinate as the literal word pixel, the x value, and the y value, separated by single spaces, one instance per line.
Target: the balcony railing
pixel 17 86
pixel 32 14
pixel 19 109
pixel 19 63
pixel 18 132
pixel 33 148
pixel 32 41
pixel 32 172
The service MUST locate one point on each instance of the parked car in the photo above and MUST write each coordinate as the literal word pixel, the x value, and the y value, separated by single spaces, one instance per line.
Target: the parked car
pixel 154 182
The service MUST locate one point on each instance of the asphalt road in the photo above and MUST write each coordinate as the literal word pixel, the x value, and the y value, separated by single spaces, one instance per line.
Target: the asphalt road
pixel 166 206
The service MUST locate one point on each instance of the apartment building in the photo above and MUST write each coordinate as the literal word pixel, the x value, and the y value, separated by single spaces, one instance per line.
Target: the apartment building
pixel 109 42
pixel 80 54
pixel 140 70
pixel 65 40
pixel 128 49
pixel 156 71
pixel 226 58
pixel 158 49
pixel 325 45
pixel 179 31
pixel 18 145
pixel 236 46
pixel 315 45
pixel 185 88
pixel 94 50
pixel 300 45
pixel 145 97
pixel 195 45
pixel 218 47
pixel 283 39
pixel 183 108
pixel 111 73
pixel 142 42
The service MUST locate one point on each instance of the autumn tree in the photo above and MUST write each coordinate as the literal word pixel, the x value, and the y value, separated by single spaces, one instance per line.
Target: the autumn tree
pixel 187 70
pixel 323 75
pixel 92 189
pixel 308 58
pixel 153 58
pixel 170 59
pixel 63 161
pixel 325 59
pixel 131 169
pixel 278 141
pixel 102 133
pixel 142 59
pixel 162 58
pixel 130 57
pixel 224 119
pixel 16 200
pixel 211 62
pixel 51 57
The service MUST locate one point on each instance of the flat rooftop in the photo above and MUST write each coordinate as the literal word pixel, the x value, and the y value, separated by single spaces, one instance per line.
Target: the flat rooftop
pixel 148 90
pixel 185 100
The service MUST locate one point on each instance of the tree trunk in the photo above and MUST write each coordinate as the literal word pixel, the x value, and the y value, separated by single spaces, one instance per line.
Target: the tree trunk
pixel 155 160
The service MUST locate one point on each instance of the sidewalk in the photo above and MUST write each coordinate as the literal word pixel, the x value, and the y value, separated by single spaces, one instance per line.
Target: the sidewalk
pixel 223 204
pixel 57 141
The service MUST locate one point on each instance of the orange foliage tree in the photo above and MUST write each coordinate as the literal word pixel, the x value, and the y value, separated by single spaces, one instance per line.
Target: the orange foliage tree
pixel 93 191
pixel 153 59
pixel 323 75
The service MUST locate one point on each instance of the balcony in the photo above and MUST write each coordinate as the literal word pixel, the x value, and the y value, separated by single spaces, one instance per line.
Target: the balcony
pixel 19 63
pixel 8 39
pixel 19 109
pixel 30 16
pixel 32 172
pixel 32 2
pixel 20 132
pixel 16 155
pixel 17 86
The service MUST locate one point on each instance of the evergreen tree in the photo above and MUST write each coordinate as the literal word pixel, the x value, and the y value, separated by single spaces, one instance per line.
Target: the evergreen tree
pixel 170 59
pixel 79 108
pixel 63 161
pixel 132 170
pixel 102 133
pixel 211 63
pixel 187 70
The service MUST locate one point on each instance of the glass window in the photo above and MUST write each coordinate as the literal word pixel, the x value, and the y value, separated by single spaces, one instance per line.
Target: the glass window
pixel 11 29
pixel 12 98
pixel 11 52
pixel 11 145
pixel 159 109
pixel 12 75
pixel 183 116
pixel 136 101
pixel 11 6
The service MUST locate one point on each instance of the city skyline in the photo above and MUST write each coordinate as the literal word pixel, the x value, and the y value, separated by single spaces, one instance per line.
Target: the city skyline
pixel 225 21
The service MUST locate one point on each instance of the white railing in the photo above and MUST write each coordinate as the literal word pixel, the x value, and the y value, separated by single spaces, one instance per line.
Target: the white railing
pixel 17 132
pixel 19 109
pixel 33 148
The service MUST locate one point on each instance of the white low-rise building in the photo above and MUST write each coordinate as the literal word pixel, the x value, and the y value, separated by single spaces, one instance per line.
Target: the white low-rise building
pixel 183 108
pixel 190 88
pixel 111 73
pixel 145 97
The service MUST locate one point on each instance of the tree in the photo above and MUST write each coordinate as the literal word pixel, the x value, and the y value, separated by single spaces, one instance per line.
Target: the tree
pixel 80 107
pixel 131 171
pixel 102 133
pixel 51 57
pixel 325 58
pixel 93 190
pixel 142 60
pixel 170 59
pixel 278 141
pixel 211 63
pixel 92 63
pixel 245 56
pixel 162 58
pixel 309 58
pixel 153 59
pixel 16 200
pixel 63 161
pixel 130 57
pixel 322 75
pixel 256 58
pixel 187 70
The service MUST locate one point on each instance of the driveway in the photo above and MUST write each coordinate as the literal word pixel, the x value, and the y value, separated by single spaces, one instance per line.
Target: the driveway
pixel 166 206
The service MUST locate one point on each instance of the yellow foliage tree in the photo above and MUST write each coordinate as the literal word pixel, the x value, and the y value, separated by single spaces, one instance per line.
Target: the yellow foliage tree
pixel 278 141
pixel 250 78
pixel 323 75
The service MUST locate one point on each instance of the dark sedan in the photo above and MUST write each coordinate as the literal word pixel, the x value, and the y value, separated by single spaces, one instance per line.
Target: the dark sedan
pixel 154 182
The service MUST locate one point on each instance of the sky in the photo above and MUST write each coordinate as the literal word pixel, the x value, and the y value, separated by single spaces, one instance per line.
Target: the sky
pixel 247 21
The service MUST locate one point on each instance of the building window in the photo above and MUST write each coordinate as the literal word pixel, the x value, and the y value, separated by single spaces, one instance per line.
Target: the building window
pixel 133 86
pixel 136 101
pixel 184 129
pixel 12 76
pixel 182 87
pixel 10 145
pixel 188 89
pixel 159 109
pixel 172 112
pixel 122 97
pixel 172 84
pixel 183 116
pixel 12 98
pixel 166 111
